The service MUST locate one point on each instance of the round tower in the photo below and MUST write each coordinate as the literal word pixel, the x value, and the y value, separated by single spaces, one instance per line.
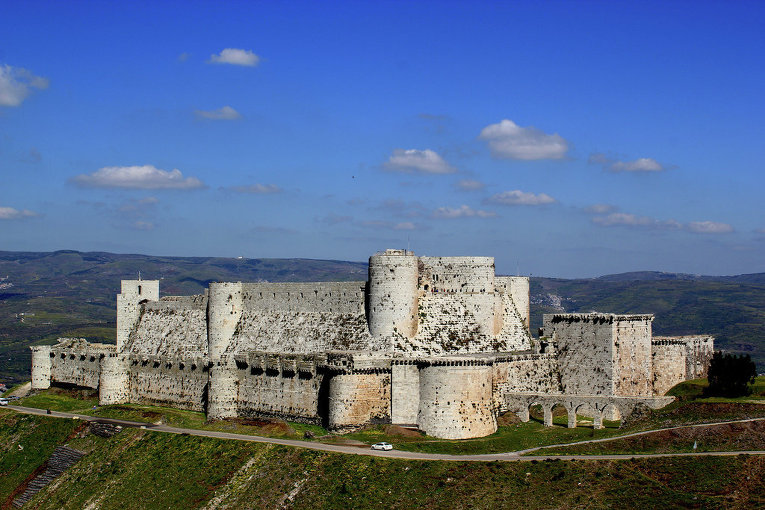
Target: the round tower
pixel 393 293
pixel 42 365
pixel 114 381
pixel 224 309
pixel 456 399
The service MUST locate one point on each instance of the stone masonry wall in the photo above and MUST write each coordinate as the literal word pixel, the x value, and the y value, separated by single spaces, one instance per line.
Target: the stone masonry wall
pixel 584 347
pixel 278 385
pixel 358 397
pixel 526 373
pixel 456 400
pixel 174 327
pixel 633 372
pixel 77 362
pixel 668 364
pixel 168 381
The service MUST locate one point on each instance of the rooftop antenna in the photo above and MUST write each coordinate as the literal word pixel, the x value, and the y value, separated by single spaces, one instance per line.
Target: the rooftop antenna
pixel 139 276
pixel 407 242
pixel 517 269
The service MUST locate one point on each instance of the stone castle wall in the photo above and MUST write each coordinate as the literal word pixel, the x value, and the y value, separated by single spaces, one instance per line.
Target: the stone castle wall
pixel 282 386
pixel 633 372
pixel 668 364
pixel 679 358
pixel 173 326
pixel 436 342
pixel 176 382
pixel 585 350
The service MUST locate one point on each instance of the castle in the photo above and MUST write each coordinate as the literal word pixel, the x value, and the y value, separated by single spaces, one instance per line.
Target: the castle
pixel 440 343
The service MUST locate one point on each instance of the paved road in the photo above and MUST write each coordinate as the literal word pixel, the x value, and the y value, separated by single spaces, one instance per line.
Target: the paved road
pixel 399 454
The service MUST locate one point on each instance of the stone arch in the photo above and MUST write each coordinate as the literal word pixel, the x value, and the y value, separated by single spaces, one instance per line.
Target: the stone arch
pixel 538 406
pixel 588 409
pixel 612 412
pixel 552 408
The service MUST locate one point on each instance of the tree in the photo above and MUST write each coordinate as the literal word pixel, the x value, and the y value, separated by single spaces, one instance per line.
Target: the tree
pixel 730 375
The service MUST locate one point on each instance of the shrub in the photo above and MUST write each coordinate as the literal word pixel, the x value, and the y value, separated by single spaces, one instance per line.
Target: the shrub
pixel 730 375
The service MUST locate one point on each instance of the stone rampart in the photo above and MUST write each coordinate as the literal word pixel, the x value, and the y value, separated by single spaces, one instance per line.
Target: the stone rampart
pixel 172 327
pixel 668 364
pixel 178 382
pixel 114 380
pixel 316 297
pixel 75 361
pixel 471 275
pixel 302 332
pixel 281 385
pixel 516 288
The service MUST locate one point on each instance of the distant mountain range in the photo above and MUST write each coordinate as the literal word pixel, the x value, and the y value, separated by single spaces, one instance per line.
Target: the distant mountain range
pixel 67 293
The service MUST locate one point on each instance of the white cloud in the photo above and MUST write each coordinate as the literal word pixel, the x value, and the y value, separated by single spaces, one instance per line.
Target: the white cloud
pixel 614 165
pixel 632 220
pixel 136 177
pixel 235 57
pixel 507 140
pixel 518 197
pixel 9 213
pixel 463 211
pixel 16 84
pixel 470 185
pixel 142 225
pixel 261 189
pixel 335 219
pixel 709 227
pixel 616 219
pixel 388 225
pixel 600 208
pixel 413 160
pixel 224 113
pixel 138 206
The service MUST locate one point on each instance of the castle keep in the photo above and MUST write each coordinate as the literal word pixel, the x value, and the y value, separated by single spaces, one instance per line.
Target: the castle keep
pixel 440 343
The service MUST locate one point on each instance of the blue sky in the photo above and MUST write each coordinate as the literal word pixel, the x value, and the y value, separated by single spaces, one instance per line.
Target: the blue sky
pixel 563 138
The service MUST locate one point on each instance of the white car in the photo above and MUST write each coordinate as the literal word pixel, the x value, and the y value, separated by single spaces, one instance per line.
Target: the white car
pixel 3 402
pixel 382 446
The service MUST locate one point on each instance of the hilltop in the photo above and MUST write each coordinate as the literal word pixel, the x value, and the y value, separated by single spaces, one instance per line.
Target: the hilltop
pixel 67 293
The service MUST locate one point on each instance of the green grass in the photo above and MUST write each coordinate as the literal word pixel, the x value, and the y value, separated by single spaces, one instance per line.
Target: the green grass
pixel 694 390
pixel 143 469
pixel 509 437
pixel 691 407
pixel 25 443
pixel 61 400
pixel 57 399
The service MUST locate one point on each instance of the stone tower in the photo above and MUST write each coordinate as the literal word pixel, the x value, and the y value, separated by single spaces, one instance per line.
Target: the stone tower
pixel 224 310
pixel 393 293
pixel 134 293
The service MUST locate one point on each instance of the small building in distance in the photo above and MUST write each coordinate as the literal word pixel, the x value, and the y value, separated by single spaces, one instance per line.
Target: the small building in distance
pixel 440 343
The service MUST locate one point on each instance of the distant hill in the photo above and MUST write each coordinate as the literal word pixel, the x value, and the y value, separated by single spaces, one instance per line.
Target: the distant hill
pixel 70 293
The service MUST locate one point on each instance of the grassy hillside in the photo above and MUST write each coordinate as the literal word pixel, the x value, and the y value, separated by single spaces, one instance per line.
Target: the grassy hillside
pixel 73 294
pixel 143 469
